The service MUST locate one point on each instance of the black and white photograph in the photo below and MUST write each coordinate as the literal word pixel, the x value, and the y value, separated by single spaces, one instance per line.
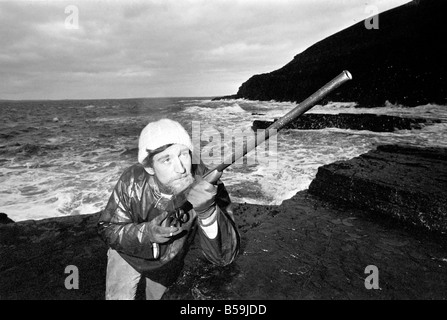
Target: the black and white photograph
pixel 223 154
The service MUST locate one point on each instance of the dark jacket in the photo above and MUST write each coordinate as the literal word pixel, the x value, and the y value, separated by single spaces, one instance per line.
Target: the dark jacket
pixel 123 226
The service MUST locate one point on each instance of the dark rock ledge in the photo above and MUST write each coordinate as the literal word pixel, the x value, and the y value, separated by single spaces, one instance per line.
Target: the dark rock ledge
pixel 371 122
pixel 406 182
pixel 313 246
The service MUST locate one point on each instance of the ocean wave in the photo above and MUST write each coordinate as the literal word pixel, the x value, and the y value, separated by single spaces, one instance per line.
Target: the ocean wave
pixel 62 170
pixel 205 110
pixel 429 111
pixel 26 150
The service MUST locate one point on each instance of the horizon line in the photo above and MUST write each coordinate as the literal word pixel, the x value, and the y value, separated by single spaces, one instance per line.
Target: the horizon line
pixel 159 97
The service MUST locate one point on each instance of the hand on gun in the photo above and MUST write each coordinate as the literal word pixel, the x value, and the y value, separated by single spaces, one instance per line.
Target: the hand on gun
pixel 158 233
pixel 202 194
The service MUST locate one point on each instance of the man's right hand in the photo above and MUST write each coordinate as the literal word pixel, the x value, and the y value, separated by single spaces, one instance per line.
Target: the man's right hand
pixel 158 233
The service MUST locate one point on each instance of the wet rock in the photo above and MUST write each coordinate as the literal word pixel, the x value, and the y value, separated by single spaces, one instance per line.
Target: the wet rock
pixel 371 122
pixel 35 254
pixel 405 182
pixel 309 247
pixel 298 253
pixel 295 251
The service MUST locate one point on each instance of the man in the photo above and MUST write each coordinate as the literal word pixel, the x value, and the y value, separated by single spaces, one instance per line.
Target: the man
pixel 147 233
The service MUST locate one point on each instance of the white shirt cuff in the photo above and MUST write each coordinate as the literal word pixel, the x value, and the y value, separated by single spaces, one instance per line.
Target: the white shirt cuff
pixel 210 230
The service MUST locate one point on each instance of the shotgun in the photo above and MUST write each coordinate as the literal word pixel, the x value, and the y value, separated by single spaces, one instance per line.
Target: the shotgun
pixel 174 217
pixel 283 121
pixel 277 125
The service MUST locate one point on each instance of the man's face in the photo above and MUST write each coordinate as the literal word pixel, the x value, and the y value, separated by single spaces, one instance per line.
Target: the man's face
pixel 172 167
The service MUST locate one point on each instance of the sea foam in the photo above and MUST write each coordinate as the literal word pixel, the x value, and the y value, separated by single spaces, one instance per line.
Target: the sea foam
pixel 76 162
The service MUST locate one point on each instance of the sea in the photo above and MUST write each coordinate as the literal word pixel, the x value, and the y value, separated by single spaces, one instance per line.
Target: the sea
pixel 60 158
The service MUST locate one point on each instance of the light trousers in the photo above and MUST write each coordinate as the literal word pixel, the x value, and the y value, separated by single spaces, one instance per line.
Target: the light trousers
pixel 122 280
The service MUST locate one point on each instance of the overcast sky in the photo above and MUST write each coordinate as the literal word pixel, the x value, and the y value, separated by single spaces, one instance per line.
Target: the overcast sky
pixel 163 48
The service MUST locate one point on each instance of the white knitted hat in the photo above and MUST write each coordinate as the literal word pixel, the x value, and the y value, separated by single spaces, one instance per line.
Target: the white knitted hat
pixel 159 133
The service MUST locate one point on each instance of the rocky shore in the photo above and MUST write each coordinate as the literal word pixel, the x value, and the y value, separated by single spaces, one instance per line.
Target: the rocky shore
pixel 386 208
pixel 405 182
pixel 371 122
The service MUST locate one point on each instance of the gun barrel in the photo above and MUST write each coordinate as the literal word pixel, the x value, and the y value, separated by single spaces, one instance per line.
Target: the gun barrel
pixel 284 120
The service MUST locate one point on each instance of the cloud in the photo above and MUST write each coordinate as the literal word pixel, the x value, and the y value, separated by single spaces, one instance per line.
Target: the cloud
pixel 158 48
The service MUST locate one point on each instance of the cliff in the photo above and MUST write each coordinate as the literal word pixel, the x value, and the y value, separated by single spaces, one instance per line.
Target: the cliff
pixel 386 209
pixel 403 61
